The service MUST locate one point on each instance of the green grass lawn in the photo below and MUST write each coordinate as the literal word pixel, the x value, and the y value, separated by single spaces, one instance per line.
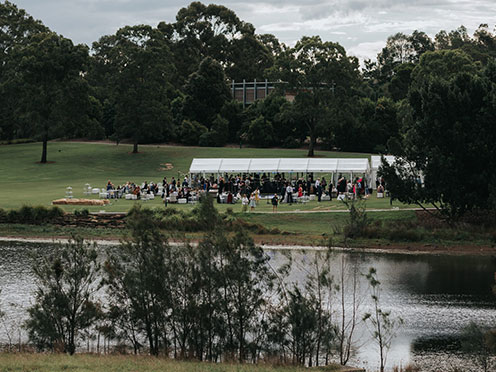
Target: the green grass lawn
pixel 308 229
pixel 296 228
pixel 23 181
pixel 315 224
pixel 125 363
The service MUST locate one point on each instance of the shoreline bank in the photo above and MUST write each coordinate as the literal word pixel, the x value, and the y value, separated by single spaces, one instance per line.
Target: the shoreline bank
pixel 425 249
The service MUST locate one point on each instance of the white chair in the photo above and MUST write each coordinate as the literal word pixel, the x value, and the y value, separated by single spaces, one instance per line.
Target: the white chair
pixel 129 196
pixel 182 201
pixel 95 190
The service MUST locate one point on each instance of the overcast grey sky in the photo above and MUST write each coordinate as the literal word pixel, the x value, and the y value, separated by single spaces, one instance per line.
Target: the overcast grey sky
pixel 362 26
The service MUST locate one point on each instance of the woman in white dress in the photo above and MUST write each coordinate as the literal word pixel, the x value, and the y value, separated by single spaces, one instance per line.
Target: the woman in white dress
pixel 253 202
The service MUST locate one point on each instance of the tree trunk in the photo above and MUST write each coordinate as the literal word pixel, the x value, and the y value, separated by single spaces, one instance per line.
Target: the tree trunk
pixel 311 146
pixel 44 150
pixel 71 348
pixel 135 147
pixel 153 346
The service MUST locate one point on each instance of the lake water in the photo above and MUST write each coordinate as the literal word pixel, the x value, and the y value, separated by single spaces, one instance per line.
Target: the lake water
pixel 436 296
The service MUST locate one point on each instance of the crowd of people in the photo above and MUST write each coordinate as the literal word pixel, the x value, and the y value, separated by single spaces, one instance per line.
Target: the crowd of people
pixel 246 184
pixel 248 189
pixel 130 188
pixel 173 189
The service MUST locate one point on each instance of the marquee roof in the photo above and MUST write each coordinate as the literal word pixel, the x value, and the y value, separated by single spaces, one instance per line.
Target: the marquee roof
pixel 287 165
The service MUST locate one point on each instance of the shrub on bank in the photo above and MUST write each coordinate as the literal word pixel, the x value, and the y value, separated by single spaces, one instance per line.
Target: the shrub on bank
pixel 199 219
pixel 81 213
pixel 36 215
pixel 404 235
pixel 416 231
pixel 169 219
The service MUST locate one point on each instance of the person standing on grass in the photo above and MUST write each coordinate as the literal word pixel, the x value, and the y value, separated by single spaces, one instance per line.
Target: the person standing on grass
pixel 318 188
pixel 289 193
pixel 257 195
pixel 253 202
pixel 317 184
pixel 349 187
pixel 275 201
pixel 341 186
pixel 244 203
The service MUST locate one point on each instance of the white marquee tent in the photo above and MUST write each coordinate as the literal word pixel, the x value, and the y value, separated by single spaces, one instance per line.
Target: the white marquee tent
pixel 376 163
pixel 282 165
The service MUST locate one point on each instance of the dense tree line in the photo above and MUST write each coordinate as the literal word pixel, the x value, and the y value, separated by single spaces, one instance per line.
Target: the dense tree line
pixel 446 156
pixel 171 83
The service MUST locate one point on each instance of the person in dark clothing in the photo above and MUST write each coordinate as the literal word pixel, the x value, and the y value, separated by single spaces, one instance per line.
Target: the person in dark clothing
pixel 275 201
pixel 289 193
pixel 341 185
